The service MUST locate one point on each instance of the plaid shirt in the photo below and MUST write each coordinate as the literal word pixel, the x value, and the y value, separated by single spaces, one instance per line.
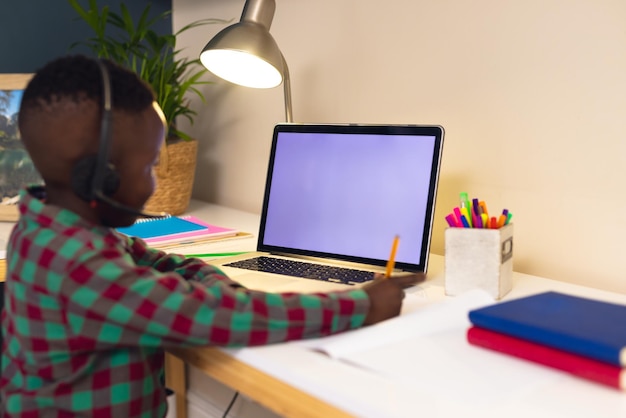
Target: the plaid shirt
pixel 88 314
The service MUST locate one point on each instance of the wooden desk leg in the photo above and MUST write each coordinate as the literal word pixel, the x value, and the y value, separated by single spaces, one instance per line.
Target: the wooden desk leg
pixel 175 379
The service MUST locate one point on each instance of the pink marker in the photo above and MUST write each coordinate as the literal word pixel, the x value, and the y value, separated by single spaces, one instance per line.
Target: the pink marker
pixel 452 221
pixel 458 215
pixel 478 223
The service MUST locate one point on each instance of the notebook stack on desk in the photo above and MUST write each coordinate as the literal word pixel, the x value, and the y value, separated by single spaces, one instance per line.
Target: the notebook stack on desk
pixel 172 231
pixel 581 336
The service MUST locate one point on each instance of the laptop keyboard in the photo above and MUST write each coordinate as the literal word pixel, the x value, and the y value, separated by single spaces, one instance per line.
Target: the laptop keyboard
pixel 305 270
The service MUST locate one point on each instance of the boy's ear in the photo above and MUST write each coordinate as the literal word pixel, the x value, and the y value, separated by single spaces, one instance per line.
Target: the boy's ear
pixel 83 174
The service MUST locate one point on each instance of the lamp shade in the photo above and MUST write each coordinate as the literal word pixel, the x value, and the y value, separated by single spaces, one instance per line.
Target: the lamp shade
pixel 245 54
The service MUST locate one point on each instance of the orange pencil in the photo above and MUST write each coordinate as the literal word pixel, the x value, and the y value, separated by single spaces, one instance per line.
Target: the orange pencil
pixel 392 257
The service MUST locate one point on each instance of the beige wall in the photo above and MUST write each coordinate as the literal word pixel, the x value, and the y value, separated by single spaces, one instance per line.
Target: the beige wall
pixel 532 95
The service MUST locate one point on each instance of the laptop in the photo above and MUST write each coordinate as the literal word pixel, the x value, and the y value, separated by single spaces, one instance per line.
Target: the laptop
pixel 336 195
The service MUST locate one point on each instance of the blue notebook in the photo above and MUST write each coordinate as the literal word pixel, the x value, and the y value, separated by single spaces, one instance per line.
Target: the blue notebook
pixel 582 326
pixel 152 228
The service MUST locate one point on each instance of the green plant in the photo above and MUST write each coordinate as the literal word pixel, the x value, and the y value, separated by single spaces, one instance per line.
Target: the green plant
pixel 153 56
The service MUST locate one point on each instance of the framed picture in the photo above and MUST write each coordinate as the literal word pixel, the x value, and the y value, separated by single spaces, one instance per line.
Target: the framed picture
pixel 16 168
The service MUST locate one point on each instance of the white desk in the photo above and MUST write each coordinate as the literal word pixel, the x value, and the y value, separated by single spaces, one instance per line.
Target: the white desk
pixel 295 381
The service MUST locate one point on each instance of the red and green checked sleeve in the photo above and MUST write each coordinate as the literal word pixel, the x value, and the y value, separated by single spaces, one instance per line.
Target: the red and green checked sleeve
pixel 194 303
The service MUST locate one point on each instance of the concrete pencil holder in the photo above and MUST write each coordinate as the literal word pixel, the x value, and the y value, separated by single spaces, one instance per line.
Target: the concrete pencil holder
pixel 479 259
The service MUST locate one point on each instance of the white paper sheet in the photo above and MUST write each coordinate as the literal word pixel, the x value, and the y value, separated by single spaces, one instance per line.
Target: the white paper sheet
pixel 428 319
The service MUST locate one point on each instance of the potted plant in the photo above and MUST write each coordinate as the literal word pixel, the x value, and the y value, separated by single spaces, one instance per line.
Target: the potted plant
pixel 154 57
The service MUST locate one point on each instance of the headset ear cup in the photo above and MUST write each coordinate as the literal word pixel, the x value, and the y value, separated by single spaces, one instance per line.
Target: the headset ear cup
pixel 111 180
pixel 82 178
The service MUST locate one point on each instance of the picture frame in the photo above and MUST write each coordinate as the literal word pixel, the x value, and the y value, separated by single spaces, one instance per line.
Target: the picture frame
pixel 16 167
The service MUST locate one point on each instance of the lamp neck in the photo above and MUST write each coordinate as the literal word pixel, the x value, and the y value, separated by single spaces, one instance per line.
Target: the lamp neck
pixel 259 11
pixel 287 92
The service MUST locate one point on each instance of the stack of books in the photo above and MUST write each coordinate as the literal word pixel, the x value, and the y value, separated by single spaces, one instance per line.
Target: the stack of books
pixel 584 337
pixel 176 231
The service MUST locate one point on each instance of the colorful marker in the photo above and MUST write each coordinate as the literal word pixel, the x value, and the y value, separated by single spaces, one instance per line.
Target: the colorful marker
pixel 467 216
pixel 501 220
pixel 452 221
pixel 464 200
pixel 478 223
pixel 483 207
pixel 476 206
pixel 473 214
pixel 458 214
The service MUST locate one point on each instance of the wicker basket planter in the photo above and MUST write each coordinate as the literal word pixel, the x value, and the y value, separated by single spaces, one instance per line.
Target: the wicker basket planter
pixel 174 176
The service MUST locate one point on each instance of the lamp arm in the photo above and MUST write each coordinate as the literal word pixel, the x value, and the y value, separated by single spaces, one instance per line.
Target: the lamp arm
pixel 287 91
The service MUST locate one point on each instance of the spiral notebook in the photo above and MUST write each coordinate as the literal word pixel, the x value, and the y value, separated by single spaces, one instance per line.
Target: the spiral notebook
pixel 175 230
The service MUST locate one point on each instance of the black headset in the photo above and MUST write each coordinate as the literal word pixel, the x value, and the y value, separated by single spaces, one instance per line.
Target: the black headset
pixel 94 177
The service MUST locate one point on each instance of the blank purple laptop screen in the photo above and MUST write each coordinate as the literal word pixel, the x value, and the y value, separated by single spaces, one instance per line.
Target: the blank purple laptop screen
pixel 349 193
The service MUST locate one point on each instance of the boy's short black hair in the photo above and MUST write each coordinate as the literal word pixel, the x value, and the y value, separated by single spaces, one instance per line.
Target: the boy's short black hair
pixel 78 77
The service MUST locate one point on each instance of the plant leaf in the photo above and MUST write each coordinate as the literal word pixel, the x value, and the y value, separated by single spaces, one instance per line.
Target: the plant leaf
pixel 136 45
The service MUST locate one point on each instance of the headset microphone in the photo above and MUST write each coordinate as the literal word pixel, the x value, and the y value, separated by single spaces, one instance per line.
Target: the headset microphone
pixel 94 178
pixel 117 205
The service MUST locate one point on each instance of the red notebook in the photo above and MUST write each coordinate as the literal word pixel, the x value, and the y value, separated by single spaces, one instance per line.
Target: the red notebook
pixel 584 367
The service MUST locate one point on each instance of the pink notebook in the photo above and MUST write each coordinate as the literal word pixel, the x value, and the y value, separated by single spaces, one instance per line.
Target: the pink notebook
pixel 176 230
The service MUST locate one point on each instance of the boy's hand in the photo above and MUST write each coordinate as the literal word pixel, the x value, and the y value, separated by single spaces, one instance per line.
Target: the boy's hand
pixel 386 295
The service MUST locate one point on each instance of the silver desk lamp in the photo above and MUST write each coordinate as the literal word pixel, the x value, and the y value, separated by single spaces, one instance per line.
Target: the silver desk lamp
pixel 246 54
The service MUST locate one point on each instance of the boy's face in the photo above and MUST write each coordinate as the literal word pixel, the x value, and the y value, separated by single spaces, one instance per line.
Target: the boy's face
pixel 137 141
